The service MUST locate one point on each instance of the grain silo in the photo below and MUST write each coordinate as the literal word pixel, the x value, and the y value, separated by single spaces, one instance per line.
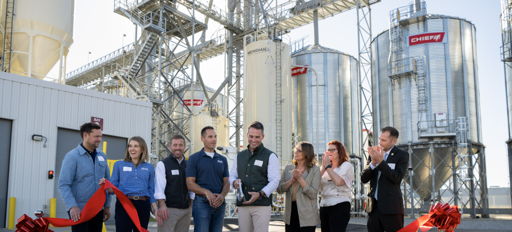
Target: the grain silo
pixel 267 94
pixel 425 83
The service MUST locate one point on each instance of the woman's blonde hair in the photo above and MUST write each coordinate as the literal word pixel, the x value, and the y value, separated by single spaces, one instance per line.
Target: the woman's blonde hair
pixel 143 147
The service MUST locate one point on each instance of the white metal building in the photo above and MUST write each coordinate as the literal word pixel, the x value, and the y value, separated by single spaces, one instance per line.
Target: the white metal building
pixel 54 113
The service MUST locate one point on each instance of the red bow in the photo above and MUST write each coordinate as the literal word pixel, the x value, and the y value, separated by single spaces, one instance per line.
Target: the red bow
pixel 27 224
pixel 442 216
pixel 90 210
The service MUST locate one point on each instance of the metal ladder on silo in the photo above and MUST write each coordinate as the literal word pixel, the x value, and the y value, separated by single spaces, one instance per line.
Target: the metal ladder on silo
pixel 462 146
pixel 7 36
pixel 421 85
pixel 279 108
pixel 462 132
pixel 395 48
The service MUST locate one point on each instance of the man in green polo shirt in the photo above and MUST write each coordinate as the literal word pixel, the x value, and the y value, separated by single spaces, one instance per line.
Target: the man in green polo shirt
pixel 256 171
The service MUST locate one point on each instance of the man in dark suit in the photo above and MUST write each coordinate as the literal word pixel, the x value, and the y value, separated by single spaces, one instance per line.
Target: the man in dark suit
pixel 385 172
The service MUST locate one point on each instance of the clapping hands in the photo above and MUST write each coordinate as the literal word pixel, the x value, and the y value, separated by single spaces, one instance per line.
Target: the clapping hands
pixel 296 174
pixel 326 159
pixel 376 154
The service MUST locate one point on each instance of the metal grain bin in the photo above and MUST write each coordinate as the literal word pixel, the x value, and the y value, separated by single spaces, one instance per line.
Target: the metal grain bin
pixel 424 83
pixel 326 98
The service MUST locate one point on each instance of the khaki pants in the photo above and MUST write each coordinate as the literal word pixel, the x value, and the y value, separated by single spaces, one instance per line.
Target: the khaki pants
pixel 254 218
pixel 178 220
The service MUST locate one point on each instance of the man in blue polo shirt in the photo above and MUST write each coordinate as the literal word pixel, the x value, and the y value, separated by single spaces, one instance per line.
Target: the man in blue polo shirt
pixel 208 177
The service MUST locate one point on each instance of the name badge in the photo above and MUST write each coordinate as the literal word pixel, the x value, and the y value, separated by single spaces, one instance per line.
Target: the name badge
pixel 100 158
pixel 219 161
pixel 391 165
pixel 175 172
pixel 258 163
pixel 145 169
pixel 127 169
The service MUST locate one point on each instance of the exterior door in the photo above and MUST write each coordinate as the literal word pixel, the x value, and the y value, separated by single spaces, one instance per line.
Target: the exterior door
pixel 5 153
pixel 68 139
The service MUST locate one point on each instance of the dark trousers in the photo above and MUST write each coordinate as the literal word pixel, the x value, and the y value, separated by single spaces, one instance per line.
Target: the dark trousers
pixel 93 225
pixel 378 222
pixel 335 218
pixel 294 225
pixel 123 221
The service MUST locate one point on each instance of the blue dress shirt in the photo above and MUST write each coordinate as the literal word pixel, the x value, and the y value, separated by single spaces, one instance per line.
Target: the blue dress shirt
pixel 134 180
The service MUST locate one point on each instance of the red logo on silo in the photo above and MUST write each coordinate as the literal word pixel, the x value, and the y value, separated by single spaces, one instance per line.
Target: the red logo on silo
pixel 193 102
pixel 299 70
pixel 435 37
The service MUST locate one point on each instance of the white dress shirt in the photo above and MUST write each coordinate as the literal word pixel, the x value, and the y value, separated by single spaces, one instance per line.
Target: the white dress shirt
pixel 161 181
pixel 386 154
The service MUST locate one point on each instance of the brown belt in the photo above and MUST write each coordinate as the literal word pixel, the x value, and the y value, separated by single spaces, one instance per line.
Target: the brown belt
pixel 137 198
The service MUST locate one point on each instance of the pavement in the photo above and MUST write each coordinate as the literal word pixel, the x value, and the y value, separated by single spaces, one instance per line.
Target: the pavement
pixel 358 224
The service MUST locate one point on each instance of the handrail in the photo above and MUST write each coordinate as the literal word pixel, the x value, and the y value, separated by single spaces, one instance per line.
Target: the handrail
pixel 104 59
pixel 407 12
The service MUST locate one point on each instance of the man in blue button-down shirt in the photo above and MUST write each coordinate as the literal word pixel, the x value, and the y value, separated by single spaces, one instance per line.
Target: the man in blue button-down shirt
pixel 81 171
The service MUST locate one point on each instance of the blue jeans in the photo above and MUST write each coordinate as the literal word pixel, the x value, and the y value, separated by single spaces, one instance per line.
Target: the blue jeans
pixel 207 218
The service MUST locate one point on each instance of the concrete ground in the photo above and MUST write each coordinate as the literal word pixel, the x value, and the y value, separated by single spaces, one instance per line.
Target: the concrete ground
pixel 358 224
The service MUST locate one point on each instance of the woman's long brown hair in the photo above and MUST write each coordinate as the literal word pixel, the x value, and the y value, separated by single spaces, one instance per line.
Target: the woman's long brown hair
pixel 143 147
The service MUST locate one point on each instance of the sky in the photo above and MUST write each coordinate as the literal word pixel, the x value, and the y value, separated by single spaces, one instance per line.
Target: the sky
pixel 99 31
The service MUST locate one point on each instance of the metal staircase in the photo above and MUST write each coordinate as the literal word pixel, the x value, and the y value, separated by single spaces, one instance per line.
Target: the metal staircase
pixel 149 42
pixel 7 36
pixel 399 64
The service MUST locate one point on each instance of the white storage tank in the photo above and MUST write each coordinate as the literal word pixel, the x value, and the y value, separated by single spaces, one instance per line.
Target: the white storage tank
pixel 326 98
pixel 42 33
pixel 267 94
pixel 201 115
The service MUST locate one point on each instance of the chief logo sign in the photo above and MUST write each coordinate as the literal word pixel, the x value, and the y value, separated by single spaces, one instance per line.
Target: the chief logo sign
pixel 298 70
pixel 435 37
pixel 193 102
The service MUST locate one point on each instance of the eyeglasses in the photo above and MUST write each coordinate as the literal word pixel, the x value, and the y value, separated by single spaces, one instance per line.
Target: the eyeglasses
pixel 331 149
pixel 298 150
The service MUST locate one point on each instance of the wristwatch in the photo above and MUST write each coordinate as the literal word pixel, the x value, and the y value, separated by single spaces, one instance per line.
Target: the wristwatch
pixel 328 166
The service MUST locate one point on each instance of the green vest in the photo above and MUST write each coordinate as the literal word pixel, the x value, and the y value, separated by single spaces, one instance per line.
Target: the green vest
pixel 252 170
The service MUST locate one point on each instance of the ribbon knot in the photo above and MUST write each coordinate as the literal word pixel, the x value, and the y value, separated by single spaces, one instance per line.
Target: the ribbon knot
pixel 442 216
pixel 93 206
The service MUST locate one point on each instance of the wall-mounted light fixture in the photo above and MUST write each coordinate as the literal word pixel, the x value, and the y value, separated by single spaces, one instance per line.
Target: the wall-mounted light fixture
pixel 50 174
pixel 40 138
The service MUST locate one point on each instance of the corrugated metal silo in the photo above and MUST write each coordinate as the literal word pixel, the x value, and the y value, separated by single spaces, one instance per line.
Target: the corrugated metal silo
pixel 425 83
pixel 326 98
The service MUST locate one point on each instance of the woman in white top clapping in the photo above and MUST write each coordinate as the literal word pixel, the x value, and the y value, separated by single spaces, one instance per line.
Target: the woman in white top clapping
pixel 335 188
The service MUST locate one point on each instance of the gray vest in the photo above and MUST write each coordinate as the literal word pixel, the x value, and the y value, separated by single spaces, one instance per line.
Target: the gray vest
pixel 253 171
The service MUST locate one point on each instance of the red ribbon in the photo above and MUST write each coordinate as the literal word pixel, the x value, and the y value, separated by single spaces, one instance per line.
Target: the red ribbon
pixel 442 216
pixel 91 209
pixel 27 224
